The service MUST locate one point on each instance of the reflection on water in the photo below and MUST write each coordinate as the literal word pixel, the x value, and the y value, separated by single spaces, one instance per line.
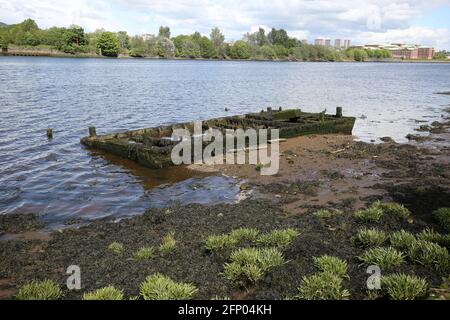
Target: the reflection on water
pixel 61 180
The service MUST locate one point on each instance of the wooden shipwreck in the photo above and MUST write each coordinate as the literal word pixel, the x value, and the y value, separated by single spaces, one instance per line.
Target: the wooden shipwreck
pixel 152 147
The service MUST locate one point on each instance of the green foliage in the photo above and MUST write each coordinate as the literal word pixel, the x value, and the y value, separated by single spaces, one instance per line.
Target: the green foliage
pixel 108 45
pixel 442 216
pixel 108 293
pixel 370 237
pixel 159 287
pixel 248 265
pixel 322 286
pixel 402 240
pixel 40 290
pixel 116 247
pixel 393 209
pixel 278 238
pixel 169 243
pixel 430 254
pixel 372 214
pixel 217 243
pixel 403 287
pixel 240 50
pixel 332 265
pixel 433 236
pixel 385 258
pixel 245 234
pixel 144 253
pixel 164 32
pixel 324 214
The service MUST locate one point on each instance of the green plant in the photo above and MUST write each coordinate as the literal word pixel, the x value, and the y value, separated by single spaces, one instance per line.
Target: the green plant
pixel 393 209
pixel 40 290
pixel 324 214
pixel 169 243
pixel 333 265
pixel 159 287
pixel 433 236
pixel 244 234
pixel 144 253
pixel 116 247
pixel 278 238
pixel 403 287
pixel 429 254
pixel 217 243
pixel 107 293
pixel 402 240
pixel 370 237
pixel 322 286
pixel 372 214
pixel 442 216
pixel 385 258
pixel 250 264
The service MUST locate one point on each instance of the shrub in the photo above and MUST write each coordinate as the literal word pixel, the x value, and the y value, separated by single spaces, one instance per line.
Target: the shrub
pixel 394 209
pixel 40 290
pixel 278 238
pixel 169 243
pixel 333 265
pixel 322 286
pixel 403 287
pixel 244 234
pixel 108 293
pixel 442 216
pixel 372 214
pixel 144 253
pixel 324 214
pixel 430 254
pixel 116 247
pixel 159 287
pixel 250 264
pixel 383 257
pixel 402 240
pixel 370 237
pixel 433 236
pixel 216 243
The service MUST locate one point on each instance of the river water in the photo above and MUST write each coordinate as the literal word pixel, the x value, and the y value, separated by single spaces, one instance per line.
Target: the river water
pixel 59 179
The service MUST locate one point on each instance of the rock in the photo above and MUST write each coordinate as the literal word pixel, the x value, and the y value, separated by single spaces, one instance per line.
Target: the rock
pixel 387 140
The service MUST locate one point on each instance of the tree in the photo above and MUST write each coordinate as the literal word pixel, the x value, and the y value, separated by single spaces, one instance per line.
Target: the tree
pixel 279 37
pixel 217 40
pixel 164 48
pixel 124 40
pixel 261 38
pixel 240 50
pixel 164 32
pixel 138 47
pixel 108 45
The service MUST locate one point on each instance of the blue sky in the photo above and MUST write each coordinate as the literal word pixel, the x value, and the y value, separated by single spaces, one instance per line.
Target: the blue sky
pixel 366 21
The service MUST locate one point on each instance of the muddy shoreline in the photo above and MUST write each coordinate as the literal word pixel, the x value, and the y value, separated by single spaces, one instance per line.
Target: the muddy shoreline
pixel 317 172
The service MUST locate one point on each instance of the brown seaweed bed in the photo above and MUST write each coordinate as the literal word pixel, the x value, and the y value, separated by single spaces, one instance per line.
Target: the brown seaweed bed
pixel 327 172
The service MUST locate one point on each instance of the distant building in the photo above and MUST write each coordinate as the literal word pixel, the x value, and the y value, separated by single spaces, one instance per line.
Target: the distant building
pixel 304 41
pixel 338 43
pixel 426 53
pixel 319 42
pixel 347 44
pixel 405 51
pixel 328 43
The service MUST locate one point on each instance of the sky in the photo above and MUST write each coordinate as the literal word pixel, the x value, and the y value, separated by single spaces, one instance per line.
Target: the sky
pixel 425 22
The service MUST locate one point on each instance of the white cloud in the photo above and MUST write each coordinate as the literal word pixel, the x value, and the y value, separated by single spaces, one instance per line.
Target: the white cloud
pixel 375 19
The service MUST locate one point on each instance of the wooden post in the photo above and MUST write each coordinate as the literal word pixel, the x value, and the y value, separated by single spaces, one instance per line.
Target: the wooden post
pixel 49 133
pixel 92 132
pixel 339 112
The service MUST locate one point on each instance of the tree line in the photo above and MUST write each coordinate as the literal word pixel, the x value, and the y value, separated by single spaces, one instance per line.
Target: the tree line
pixel 274 45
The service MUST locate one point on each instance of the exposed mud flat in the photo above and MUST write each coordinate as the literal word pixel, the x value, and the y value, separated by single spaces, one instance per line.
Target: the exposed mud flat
pixel 317 172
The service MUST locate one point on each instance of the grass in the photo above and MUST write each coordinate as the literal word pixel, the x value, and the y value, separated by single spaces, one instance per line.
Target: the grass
pixel 370 237
pixel 278 238
pixel 169 243
pixel 372 214
pixel 160 287
pixel 385 258
pixel 403 287
pixel 429 254
pixel 322 286
pixel 244 234
pixel 116 247
pixel 433 236
pixel 402 240
pixel 333 265
pixel 393 209
pixel 40 290
pixel 217 243
pixel 325 214
pixel 144 253
pixel 108 293
pixel 248 265
pixel 442 216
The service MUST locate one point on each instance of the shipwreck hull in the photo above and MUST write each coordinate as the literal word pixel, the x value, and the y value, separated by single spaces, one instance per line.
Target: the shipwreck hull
pixel 152 147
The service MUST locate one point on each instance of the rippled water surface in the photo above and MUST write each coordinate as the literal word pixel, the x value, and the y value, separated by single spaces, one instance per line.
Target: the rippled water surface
pixel 59 179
